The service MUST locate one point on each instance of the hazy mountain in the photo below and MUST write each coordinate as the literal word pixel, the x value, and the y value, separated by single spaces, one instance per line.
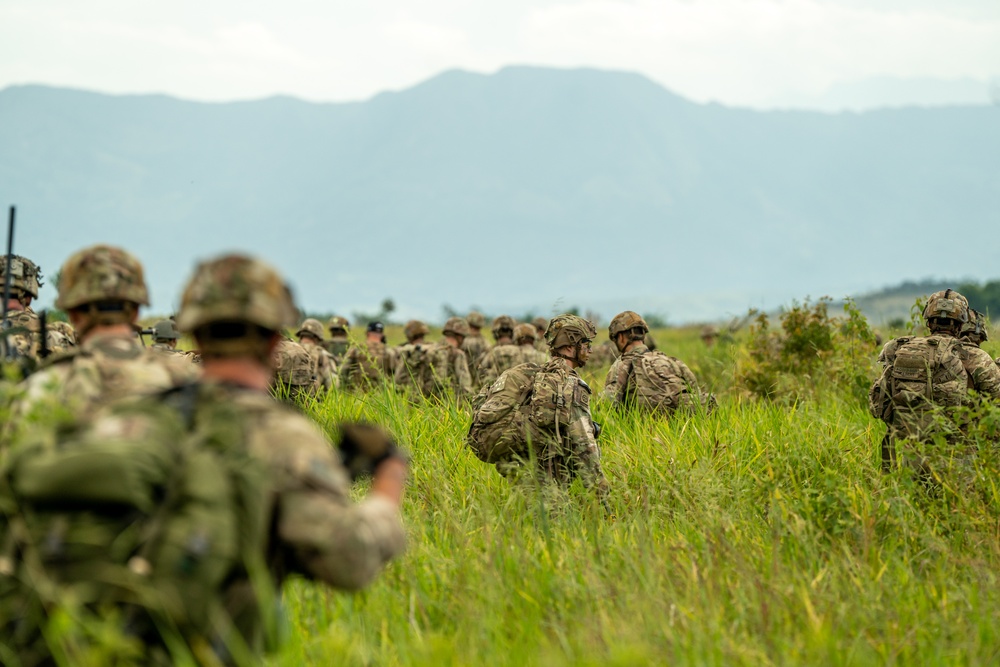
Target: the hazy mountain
pixel 526 188
pixel 888 91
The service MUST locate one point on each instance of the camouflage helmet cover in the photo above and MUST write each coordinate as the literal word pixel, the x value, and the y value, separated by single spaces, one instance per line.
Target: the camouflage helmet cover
pixel 976 325
pixel 947 304
pixel 541 324
pixel 337 322
pixel 415 329
pixel 522 331
pixel 164 330
pixel 626 321
pixel 568 329
pixel 709 331
pixel 24 275
pixel 237 288
pixel 310 327
pixel 457 326
pixel 503 322
pixel 476 320
pixel 101 273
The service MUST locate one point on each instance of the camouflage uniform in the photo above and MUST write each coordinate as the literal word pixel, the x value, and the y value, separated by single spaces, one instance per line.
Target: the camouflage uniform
pixel 411 357
pixel 503 356
pixel 449 366
pixel 540 324
pixel 573 453
pixel 976 372
pixel 104 367
pixel 310 335
pixel 24 340
pixel 679 386
pixel 603 355
pixel 338 343
pixel 370 366
pixel 474 345
pixel 299 518
pixel 976 330
pixel 524 337
pixel 295 371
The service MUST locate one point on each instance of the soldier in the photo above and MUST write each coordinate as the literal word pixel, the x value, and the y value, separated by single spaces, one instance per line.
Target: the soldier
pixel 524 338
pixel 165 336
pixel 232 493
pixel 975 331
pixel 541 324
pixel 370 366
pixel 310 336
pixel 449 367
pixel 504 355
pixel 709 334
pixel 338 343
pixel 101 289
pixel 411 358
pixel 645 379
pixel 294 372
pixel 24 340
pixel 925 379
pixel 474 345
pixel 603 355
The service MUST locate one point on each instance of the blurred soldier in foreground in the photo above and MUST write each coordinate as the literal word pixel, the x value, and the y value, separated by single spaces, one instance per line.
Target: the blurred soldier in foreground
pixel 101 289
pixel 540 415
pixel 175 519
pixel 24 338
pixel 502 356
pixel 474 345
pixel 370 366
pixel 645 379
pixel 925 380
pixel 310 335
pixel 338 343
pixel 165 336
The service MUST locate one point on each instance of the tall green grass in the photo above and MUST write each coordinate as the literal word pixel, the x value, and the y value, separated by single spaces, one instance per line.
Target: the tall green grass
pixel 760 534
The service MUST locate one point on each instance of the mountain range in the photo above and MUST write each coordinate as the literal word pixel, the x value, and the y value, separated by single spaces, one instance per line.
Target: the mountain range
pixel 528 189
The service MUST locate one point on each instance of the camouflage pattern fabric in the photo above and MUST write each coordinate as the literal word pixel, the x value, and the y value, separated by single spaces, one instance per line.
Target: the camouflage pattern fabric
pixel 603 355
pixel 296 516
pixel 674 386
pixel 295 371
pixel 27 343
pixel 913 412
pixel 368 367
pixel 101 273
pixel 103 369
pixel 450 374
pixel 502 358
pixel 412 368
pixel 475 347
pixel 337 347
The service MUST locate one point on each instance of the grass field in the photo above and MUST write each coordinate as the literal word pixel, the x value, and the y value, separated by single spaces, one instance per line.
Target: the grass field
pixel 761 534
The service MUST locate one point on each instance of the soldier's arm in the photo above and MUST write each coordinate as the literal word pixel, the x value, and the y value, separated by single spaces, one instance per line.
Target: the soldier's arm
pixel 879 400
pixel 463 375
pixel 616 381
pixel 585 454
pixel 330 538
pixel 984 372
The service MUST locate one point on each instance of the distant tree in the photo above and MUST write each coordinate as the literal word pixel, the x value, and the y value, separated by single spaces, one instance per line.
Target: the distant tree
pixel 388 307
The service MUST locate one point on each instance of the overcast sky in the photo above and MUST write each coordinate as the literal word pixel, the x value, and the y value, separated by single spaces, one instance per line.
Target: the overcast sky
pixel 743 52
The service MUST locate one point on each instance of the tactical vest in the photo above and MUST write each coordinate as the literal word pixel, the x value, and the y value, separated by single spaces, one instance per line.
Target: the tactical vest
pixel 927 375
pixel 148 512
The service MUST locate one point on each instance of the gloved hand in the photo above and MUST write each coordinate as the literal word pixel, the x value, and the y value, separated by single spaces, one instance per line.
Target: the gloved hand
pixel 364 446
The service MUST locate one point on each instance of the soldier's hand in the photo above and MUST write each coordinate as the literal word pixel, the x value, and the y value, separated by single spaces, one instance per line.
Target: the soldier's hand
pixel 363 447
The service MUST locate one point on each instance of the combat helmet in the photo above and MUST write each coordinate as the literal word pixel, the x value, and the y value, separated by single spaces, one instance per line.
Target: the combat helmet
pixel 310 327
pixel 709 331
pixel 503 323
pixel 415 329
pixel 541 324
pixel 239 289
pixel 101 273
pixel 569 329
pixel 456 326
pixel 975 329
pixel 627 321
pixel 25 275
pixel 476 320
pixel 947 304
pixel 525 332
pixel 337 323
pixel 165 330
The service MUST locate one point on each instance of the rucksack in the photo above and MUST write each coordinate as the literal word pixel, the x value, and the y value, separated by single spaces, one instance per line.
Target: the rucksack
pixel 499 429
pixel 150 512
pixel 663 384
pixel 927 374
pixel 414 367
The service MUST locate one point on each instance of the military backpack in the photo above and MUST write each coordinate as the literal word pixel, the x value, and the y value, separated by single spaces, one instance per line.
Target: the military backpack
pixel 149 512
pixel 660 384
pixel 926 375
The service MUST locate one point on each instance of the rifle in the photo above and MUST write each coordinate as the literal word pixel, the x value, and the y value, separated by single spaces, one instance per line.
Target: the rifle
pixel 145 332
pixel 8 352
pixel 43 343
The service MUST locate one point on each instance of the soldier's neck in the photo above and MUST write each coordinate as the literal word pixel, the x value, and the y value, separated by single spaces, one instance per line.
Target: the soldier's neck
pixel 242 371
